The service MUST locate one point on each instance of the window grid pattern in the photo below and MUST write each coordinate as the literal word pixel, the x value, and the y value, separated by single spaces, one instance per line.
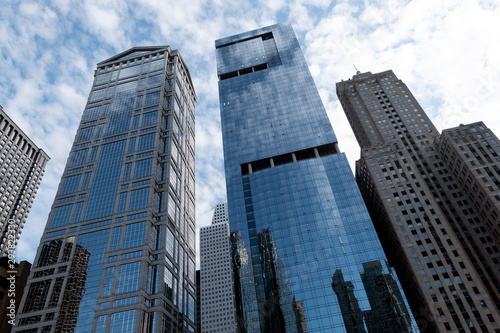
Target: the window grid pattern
pixel 119 104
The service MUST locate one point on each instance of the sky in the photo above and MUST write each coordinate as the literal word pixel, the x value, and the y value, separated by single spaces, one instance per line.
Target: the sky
pixel 447 52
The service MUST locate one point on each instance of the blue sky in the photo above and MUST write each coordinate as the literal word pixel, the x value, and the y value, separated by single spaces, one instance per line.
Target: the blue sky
pixel 447 52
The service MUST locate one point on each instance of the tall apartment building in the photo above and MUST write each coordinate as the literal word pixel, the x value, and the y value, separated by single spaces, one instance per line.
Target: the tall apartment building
pixel 434 200
pixel 216 279
pixel 118 250
pixel 22 165
pixel 306 257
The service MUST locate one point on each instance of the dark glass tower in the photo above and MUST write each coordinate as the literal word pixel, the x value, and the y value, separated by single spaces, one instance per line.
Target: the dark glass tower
pixel 299 225
pixel 118 251
pixel 434 200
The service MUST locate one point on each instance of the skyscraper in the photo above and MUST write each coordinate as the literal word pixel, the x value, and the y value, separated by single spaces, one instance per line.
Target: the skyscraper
pixel 434 200
pixel 299 226
pixel 216 279
pixel 22 166
pixel 118 251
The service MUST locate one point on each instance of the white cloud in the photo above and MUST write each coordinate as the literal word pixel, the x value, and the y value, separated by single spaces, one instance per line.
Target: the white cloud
pixel 444 51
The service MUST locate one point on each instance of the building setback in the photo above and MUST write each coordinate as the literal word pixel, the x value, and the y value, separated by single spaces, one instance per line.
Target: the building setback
pixel 118 250
pixel 22 165
pixel 306 257
pixel 216 275
pixel 434 200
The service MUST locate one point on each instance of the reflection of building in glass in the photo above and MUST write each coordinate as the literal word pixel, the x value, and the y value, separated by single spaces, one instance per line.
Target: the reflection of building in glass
pixel 40 290
pixel 285 175
pixel 22 165
pixel 74 290
pixel 244 286
pixel 124 208
pixel 280 315
pixel 388 311
pixel 351 313
pixel 434 199
pixel 216 278
pixel 300 316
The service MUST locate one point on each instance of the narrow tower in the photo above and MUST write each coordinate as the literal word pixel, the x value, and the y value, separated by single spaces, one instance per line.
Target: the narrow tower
pixel 216 275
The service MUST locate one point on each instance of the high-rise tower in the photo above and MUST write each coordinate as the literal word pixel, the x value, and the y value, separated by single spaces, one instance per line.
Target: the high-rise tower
pixel 118 251
pixel 434 200
pixel 306 255
pixel 22 166
pixel 216 276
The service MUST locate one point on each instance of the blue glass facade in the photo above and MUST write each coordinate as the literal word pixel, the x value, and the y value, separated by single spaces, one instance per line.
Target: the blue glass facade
pixel 118 252
pixel 306 257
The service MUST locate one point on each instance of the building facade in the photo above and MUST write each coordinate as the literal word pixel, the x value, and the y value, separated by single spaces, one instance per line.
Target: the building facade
pixel 13 279
pixel 216 276
pixel 22 165
pixel 118 250
pixel 434 200
pixel 306 257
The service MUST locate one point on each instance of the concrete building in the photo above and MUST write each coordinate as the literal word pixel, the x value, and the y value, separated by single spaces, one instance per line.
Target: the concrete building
pixel 434 201
pixel 216 276
pixel 22 165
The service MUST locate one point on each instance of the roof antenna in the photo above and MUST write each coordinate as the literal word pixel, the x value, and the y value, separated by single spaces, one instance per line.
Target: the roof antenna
pixel 357 72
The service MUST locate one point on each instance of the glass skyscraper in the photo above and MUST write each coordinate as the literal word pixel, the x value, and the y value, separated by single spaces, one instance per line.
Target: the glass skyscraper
pixel 305 252
pixel 118 251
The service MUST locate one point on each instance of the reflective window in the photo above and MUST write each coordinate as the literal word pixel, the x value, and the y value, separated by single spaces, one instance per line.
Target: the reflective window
pixel 86 181
pixel 115 241
pixel 85 134
pixel 60 216
pixel 152 98
pixel 121 203
pixel 70 184
pixel 131 145
pixel 129 278
pixel 78 157
pixel 126 172
pixel 139 199
pixel 102 196
pixel 134 235
pixel 93 154
pixel 146 141
pixel 108 281
pixel 143 168
pixel 77 213
pixel 123 322
pixel 149 118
